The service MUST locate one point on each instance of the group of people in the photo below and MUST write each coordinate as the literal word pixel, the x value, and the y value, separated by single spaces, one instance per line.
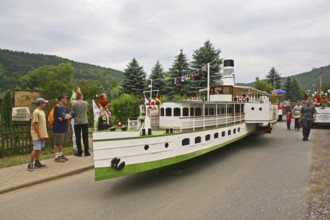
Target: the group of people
pixel 79 122
pixel 303 117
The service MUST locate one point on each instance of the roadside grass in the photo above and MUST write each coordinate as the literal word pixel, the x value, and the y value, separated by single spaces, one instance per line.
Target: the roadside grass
pixel 46 153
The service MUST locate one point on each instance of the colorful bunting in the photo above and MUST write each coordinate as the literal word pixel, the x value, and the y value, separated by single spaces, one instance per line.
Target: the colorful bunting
pixel 189 76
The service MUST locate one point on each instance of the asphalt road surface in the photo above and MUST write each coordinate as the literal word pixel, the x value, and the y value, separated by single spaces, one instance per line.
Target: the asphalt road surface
pixel 260 177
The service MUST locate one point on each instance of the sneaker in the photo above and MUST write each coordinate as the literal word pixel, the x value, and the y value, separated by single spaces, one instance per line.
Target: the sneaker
pixel 87 154
pixel 64 157
pixel 30 166
pixel 59 159
pixel 37 164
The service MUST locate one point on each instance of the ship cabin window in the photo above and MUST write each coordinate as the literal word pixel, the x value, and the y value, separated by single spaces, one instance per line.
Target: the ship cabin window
pixel 223 134
pixel 223 111
pixel 185 141
pixel 192 112
pixel 216 135
pixel 211 111
pixel 229 110
pixel 177 112
pixel 198 140
pixel 207 137
pixel 168 112
pixel 162 112
pixel 206 111
pixel 198 111
pixel 229 132
pixel 218 111
pixel 238 129
pixel 185 112
pixel 234 131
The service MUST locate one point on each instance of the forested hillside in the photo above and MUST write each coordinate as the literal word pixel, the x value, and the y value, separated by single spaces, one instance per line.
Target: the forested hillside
pixel 14 65
pixel 307 80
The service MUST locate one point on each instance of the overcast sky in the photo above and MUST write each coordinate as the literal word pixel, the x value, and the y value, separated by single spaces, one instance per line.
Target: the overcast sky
pixel 291 35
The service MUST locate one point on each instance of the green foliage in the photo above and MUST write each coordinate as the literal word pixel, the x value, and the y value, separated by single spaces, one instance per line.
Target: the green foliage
pixel 16 64
pixel 202 56
pixel 273 78
pixel 293 90
pixel 179 67
pixel 125 107
pixel 135 78
pixel 263 85
pixel 179 97
pixel 52 80
pixel 158 78
pixel 6 110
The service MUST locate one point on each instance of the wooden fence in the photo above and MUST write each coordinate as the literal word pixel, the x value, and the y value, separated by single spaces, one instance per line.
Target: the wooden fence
pixel 17 140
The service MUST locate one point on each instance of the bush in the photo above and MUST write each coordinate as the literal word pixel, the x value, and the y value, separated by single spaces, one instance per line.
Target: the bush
pixel 125 107
pixel 6 110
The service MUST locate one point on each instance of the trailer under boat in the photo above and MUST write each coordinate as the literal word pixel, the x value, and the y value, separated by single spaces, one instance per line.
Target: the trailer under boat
pixel 176 131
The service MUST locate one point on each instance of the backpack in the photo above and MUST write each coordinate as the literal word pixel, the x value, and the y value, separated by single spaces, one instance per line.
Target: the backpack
pixel 51 116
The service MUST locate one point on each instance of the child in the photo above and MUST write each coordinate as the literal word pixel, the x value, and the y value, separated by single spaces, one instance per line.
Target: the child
pixel 288 120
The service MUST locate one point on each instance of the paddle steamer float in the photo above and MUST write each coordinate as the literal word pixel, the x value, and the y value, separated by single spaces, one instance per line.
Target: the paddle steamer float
pixel 175 131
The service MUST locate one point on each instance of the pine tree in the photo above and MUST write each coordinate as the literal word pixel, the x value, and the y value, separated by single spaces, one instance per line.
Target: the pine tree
pixel 288 86
pixel 6 110
pixel 297 91
pixel 179 68
pixel 135 79
pixel 158 78
pixel 202 56
pixel 274 78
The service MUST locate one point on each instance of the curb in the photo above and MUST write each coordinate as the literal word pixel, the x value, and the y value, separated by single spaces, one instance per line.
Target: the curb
pixel 46 179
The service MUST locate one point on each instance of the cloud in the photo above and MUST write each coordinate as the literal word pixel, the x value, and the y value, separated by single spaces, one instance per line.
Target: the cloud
pixel 288 35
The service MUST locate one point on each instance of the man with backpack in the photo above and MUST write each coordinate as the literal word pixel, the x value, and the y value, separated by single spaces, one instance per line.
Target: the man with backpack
pixel 60 127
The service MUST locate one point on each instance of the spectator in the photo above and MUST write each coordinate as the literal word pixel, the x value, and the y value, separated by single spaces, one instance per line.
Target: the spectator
pixel 296 114
pixel 104 121
pixel 307 116
pixel 60 127
pixel 38 132
pixel 288 120
pixel 80 108
pixel 75 91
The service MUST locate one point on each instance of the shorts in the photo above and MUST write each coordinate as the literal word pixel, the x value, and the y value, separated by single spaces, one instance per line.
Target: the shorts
pixel 38 144
pixel 59 139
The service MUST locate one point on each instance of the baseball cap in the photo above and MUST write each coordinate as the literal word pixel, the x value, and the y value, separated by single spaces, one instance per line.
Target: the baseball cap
pixel 61 97
pixel 41 100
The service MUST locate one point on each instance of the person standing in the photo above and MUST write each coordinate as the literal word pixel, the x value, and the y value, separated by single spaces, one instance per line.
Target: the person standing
pixel 307 116
pixel 104 121
pixel 38 132
pixel 288 120
pixel 60 127
pixel 80 108
pixel 75 91
pixel 296 114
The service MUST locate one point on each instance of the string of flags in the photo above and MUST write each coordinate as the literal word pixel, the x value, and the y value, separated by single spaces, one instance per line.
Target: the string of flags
pixel 190 76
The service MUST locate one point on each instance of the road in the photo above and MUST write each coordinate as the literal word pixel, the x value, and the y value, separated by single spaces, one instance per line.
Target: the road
pixel 260 177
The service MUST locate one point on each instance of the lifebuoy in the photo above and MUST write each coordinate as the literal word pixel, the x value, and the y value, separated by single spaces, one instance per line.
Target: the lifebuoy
pixel 150 103
pixel 241 99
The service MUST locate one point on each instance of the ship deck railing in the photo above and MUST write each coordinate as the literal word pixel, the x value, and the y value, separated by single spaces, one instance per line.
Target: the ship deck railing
pixel 208 121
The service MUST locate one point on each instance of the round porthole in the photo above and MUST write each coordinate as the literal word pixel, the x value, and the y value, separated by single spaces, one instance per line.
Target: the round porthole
pixel 166 145
pixel 252 108
pixel 146 147
pixel 260 109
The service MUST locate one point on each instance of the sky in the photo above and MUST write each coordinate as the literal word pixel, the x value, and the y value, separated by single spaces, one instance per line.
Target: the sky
pixel 293 36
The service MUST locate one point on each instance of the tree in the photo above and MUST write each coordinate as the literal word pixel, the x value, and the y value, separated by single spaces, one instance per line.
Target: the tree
pixel 135 78
pixel 202 56
pixel 288 87
pixel 274 78
pixel 297 92
pixel 51 80
pixel 6 110
pixel 158 78
pixel 262 85
pixel 179 67
pixel 125 107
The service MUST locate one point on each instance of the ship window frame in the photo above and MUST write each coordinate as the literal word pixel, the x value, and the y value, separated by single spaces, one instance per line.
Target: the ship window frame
pixel 185 141
pixel 198 139
pixel 168 112
pixel 216 135
pixel 185 111
pixel 211 111
pixel 192 112
pixel 162 112
pixel 229 132
pixel 177 112
pixel 207 137
pixel 198 111
pixel 223 134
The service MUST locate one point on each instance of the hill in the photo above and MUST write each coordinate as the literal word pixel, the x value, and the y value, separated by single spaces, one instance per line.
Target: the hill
pixel 307 80
pixel 15 64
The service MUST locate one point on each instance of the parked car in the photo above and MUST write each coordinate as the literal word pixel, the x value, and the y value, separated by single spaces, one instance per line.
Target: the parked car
pixel 21 115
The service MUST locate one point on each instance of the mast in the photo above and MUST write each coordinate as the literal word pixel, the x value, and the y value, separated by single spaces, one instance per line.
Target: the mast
pixel 208 82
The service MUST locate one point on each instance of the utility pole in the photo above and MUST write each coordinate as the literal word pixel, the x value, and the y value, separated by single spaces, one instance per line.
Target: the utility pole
pixel 321 76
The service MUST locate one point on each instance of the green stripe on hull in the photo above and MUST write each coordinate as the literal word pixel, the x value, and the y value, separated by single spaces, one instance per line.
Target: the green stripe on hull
pixel 103 173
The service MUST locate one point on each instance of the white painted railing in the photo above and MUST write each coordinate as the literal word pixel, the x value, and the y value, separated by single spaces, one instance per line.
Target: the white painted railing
pixel 209 121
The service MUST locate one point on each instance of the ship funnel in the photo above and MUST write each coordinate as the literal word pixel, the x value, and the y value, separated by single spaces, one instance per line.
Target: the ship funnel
pixel 228 72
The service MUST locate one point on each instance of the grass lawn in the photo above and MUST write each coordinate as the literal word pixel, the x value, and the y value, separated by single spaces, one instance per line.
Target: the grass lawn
pixel 46 153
